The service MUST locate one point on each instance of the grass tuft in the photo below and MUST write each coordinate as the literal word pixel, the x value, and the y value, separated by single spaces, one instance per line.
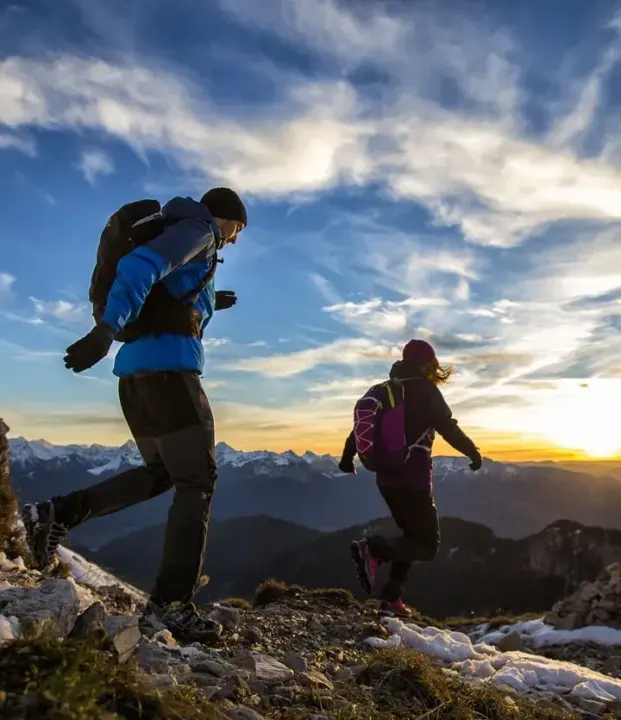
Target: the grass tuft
pixel 273 590
pixel 239 603
pixel 80 680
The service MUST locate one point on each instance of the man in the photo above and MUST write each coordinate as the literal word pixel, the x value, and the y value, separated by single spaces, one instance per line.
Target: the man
pixel 407 490
pixel 161 294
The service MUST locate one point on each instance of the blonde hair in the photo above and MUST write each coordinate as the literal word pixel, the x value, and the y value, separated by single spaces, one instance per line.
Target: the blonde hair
pixel 438 374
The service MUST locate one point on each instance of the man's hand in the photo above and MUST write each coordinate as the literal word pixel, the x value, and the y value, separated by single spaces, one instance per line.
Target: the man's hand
pixel 347 466
pixel 90 349
pixel 477 461
pixel 225 299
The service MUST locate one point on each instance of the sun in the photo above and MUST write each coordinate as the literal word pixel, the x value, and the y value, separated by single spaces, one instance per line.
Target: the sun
pixel 584 420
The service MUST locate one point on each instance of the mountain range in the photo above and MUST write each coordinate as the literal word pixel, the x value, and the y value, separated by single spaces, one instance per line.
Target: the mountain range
pixel 494 575
pixel 308 490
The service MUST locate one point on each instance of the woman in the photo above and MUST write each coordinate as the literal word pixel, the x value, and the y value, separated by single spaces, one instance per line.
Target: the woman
pixel 407 490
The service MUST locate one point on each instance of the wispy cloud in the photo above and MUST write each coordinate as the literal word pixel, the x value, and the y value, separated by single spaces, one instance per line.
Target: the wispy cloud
pixel 383 316
pixel 6 282
pixel 340 352
pixel 213 343
pixel 472 165
pixel 18 352
pixel 25 145
pixel 63 311
pixel 94 164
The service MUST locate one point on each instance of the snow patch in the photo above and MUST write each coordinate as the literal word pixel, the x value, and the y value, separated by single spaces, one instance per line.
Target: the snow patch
pixel 91 575
pixel 10 629
pixel 522 671
pixel 537 634
pixel 7 565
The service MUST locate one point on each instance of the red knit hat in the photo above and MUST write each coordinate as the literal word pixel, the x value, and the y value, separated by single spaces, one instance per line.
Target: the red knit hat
pixel 419 352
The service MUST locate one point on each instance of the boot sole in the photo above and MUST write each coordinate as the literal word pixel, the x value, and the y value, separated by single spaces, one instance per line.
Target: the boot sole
pixel 361 571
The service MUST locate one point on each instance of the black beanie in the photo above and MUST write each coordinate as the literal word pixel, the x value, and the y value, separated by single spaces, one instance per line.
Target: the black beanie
pixel 226 204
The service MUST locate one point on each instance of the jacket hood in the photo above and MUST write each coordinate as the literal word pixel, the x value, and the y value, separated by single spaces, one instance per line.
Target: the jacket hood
pixel 186 208
pixel 404 370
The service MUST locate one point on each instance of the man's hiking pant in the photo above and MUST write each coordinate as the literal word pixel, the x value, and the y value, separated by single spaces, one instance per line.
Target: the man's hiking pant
pixel 170 418
pixel 415 514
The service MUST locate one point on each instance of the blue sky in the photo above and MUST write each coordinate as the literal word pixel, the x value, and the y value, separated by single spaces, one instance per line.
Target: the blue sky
pixel 444 170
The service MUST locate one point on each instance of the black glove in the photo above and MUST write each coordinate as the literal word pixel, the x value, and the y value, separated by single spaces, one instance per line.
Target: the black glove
pixel 225 299
pixel 90 349
pixel 347 466
pixel 477 461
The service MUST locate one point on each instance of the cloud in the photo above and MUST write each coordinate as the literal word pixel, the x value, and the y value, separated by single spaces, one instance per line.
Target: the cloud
pixel 470 162
pixel 16 142
pixel 17 352
pixel 94 164
pixel 6 282
pixel 63 311
pixel 351 351
pixel 212 343
pixel 378 315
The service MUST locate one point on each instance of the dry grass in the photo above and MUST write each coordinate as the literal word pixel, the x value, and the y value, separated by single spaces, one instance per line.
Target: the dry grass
pixel 79 680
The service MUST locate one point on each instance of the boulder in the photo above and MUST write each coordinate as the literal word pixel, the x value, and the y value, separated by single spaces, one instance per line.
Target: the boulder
pixel 510 643
pixel 228 617
pixel 51 606
pixel 123 634
pixel 295 661
pixel 264 667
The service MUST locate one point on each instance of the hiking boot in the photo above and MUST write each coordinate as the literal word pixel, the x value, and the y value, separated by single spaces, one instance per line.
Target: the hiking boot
pixel 366 565
pixel 184 621
pixel 394 608
pixel 43 532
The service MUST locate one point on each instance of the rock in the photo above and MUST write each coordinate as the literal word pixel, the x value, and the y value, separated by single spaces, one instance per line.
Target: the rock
pixel 228 617
pixel 589 592
pixel 313 678
pixel 315 625
pixel 152 657
pixel 295 661
pixel 510 643
pixel 253 635
pixel 89 622
pixel 594 706
pixel 53 605
pixel 344 674
pixel 10 630
pixel 204 681
pixel 210 667
pixel 123 633
pixel 233 689
pixel 569 622
pixel 244 713
pixel 265 668
pixel 166 637
pixel 158 680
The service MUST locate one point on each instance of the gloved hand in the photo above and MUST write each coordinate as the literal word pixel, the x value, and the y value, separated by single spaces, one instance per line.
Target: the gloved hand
pixel 347 466
pixel 90 349
pixel 225 299
pixel 477 461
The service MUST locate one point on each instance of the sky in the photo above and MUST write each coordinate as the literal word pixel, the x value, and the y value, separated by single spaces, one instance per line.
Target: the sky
pixel 444 170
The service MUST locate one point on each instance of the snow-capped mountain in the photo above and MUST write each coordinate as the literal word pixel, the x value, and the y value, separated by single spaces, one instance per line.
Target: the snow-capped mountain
pixel 25 454
pixel 102 459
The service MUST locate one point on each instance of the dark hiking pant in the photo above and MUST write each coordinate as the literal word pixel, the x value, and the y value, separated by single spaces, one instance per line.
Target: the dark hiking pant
pixel 170 418
pixel 415 514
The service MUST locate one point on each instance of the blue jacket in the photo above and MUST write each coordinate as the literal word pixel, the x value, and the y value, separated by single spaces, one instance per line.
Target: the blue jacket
pixel 179 257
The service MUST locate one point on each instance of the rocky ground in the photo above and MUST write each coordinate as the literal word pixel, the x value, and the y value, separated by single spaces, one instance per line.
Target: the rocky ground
pixel 75 646
pixel 594 603
pixel 295 654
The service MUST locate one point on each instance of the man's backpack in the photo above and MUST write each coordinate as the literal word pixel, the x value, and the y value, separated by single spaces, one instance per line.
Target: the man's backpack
pixel 129 227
